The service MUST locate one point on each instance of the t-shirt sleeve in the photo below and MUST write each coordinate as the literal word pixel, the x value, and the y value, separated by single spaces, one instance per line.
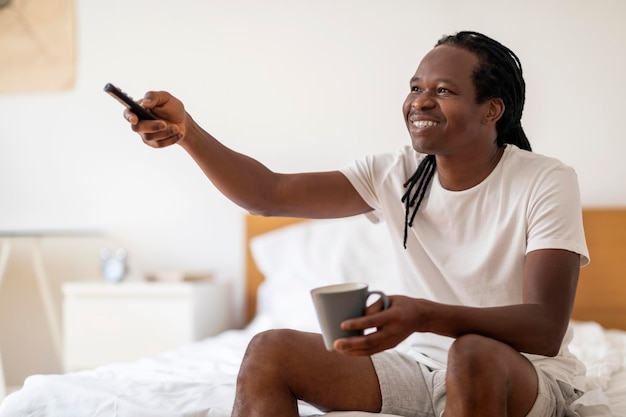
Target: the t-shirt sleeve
pixel 379 178
pixel 555 216
pixel 361 175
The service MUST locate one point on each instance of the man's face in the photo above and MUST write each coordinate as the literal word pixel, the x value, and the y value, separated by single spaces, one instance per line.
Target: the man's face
pixel 440 111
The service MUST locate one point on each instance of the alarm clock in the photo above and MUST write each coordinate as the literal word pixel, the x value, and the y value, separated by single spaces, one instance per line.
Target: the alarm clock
pixel 113 264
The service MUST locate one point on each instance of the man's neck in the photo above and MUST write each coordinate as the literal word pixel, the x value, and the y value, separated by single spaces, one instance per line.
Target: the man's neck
pixel 462 173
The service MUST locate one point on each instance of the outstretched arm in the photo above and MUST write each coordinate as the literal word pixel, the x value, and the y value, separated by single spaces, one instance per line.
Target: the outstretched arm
pixel 242 179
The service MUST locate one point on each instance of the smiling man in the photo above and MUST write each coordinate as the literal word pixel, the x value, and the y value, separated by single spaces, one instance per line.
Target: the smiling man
pixel 490 243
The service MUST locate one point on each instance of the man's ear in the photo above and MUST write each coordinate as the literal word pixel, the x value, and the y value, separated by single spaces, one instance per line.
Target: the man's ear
pixel 495 110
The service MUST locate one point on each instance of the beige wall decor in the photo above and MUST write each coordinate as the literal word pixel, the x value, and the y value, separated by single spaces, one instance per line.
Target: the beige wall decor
pixel 37 45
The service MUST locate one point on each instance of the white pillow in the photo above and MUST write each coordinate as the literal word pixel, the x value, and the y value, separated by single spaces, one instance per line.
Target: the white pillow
pixel 300 257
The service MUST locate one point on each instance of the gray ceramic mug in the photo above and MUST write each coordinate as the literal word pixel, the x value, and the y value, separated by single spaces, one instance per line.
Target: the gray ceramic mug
pixel 337 303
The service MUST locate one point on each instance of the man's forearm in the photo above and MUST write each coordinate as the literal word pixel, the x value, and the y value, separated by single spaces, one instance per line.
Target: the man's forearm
pixel 242 179
pixel 525 327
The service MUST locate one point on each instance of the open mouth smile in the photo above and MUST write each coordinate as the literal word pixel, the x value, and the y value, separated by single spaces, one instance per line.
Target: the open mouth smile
pixel 424 123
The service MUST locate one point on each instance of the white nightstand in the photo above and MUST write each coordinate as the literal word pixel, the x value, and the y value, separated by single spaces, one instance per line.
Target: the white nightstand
pixel 106 323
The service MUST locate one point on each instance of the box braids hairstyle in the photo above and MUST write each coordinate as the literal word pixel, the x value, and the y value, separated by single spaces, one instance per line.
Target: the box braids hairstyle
pixel 499 74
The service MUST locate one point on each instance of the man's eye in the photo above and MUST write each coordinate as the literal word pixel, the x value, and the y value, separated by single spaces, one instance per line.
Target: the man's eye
pixel 443 90
pixel 416 89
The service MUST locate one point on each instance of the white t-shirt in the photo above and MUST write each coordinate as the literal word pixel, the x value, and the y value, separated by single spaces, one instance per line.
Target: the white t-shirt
pixel 469 247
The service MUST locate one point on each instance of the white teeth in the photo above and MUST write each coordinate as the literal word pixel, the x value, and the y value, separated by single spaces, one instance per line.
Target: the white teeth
pixel 425 123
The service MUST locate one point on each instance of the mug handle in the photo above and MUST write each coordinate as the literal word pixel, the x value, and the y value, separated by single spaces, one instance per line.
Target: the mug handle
pixel 382 295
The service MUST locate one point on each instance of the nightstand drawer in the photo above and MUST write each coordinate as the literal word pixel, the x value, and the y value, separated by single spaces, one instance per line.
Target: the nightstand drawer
pixel 106 323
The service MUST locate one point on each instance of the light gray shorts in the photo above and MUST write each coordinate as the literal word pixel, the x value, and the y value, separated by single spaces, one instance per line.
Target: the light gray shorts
pixel 411 389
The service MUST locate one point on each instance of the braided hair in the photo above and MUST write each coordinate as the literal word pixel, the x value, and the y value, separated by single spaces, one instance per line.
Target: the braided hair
pixel 499 74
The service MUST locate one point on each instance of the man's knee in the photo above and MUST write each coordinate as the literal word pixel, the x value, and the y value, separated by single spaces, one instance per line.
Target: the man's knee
pixel 268 344
pixel 262 358
pixel 472 355
pixel 472 346
pixel 481 369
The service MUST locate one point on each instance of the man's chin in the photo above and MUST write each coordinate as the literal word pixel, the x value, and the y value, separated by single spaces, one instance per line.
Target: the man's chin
pixel 419 145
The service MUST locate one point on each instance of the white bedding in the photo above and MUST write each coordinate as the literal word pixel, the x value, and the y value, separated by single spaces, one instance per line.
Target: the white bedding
pixel 198 380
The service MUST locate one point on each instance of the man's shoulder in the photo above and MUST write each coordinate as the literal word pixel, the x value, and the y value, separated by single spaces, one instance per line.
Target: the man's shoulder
pixel 533 160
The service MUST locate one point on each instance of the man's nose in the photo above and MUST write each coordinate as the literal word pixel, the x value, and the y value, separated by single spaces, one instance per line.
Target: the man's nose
pixel 424 101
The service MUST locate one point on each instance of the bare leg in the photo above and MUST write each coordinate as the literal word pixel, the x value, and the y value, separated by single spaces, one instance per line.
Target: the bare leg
pixel 282 366
pixel 488 378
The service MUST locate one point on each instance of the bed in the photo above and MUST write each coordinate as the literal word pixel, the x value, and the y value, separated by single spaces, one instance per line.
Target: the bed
pixel 285 258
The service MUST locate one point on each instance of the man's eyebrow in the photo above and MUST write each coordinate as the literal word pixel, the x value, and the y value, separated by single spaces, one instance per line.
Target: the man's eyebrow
pixel 439 80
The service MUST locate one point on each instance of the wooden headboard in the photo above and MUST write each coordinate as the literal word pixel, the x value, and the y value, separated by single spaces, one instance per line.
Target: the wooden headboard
pixel 601 292
pixel 257 225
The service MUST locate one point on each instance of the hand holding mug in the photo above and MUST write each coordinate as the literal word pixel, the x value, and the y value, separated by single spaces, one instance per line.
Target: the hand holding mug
pixel 337 303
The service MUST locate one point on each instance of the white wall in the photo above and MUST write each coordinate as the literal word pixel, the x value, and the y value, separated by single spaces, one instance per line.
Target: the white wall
pixel 300 85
